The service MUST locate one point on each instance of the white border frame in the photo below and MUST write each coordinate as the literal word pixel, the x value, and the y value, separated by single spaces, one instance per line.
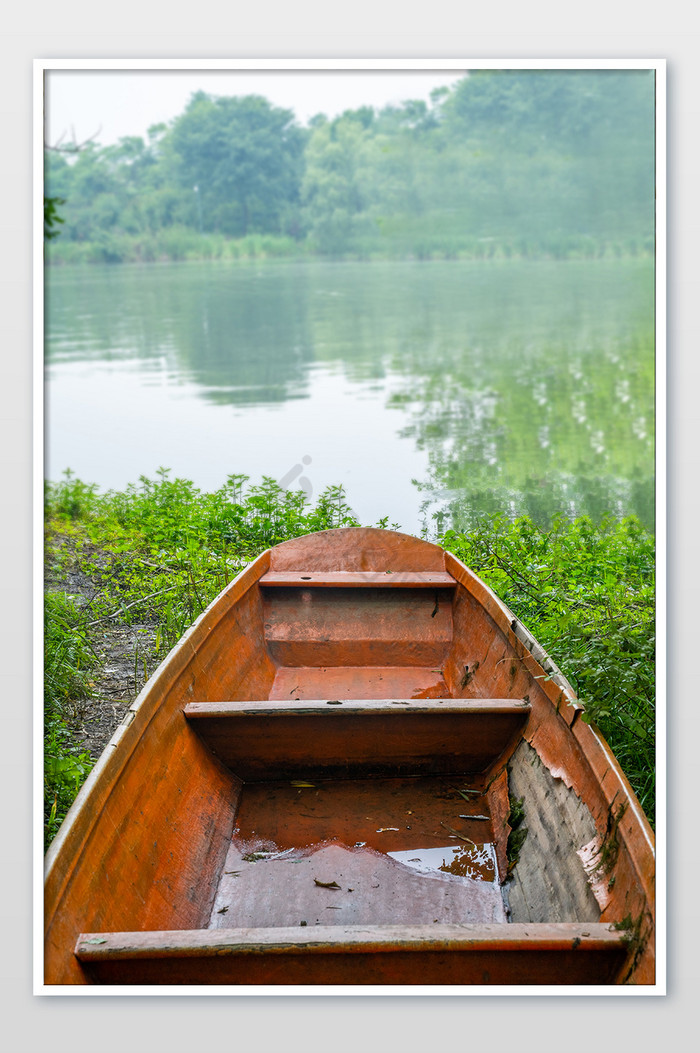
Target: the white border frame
pixel 458 65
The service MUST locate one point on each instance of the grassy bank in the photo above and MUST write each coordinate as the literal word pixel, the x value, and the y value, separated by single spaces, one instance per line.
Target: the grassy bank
pixel 176 244
pixel 153 557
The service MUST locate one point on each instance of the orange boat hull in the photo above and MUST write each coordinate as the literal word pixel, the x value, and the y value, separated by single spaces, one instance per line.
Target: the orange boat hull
pixel 318 787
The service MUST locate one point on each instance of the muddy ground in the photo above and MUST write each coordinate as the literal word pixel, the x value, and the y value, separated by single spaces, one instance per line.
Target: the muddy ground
pixel 126 654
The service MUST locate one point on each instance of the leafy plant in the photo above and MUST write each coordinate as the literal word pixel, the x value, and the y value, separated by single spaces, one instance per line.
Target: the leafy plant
pixel 68 661
pixel 51 216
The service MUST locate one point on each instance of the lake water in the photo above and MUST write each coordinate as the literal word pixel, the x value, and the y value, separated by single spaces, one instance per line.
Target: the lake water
pixel 424 388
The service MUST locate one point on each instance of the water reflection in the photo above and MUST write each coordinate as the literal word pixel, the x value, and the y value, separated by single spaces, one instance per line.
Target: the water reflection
pixel 521 387
pixel 472 861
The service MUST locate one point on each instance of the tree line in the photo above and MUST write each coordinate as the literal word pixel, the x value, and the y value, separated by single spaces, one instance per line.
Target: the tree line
pixel 507 162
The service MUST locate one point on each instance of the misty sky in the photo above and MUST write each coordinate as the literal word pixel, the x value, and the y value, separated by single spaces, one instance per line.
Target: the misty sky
pixel 107 104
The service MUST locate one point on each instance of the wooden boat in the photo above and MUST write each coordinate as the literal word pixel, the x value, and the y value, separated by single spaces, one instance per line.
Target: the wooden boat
pixel 356 767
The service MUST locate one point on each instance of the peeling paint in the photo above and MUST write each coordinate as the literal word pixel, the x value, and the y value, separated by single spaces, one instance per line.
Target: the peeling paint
pixel 589 855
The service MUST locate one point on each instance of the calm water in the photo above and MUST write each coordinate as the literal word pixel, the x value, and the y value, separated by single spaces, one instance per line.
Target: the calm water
pixel 450 387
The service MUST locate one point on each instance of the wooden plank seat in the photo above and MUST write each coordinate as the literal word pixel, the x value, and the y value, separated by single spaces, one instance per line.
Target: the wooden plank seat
pixel 263 740
pixel 359 579
pixel 564 953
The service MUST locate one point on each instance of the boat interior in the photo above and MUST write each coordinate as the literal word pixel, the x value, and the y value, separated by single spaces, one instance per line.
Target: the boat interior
pixel 343 799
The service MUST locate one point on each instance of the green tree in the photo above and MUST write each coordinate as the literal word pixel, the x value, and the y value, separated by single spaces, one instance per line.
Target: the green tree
pixel 531 162
pixel 550 155
pixel 331 191
pixel 244 156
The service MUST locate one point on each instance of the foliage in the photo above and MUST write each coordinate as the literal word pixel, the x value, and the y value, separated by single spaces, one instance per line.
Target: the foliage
pixel 529 163
pixel 331 191
pixel 68 660
pixel 241 157
pixel 586 593
pixel 51 216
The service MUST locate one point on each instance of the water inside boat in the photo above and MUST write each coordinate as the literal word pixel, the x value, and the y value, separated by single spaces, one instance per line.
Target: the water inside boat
pixel 359 852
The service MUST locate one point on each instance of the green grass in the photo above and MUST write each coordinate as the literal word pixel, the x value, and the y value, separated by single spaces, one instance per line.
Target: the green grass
pixel 172 244
pixel 161 550
pixel 68 661
pixel 433 237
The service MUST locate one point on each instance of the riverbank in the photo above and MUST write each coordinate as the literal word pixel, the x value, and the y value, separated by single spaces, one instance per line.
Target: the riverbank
pixel 183 244
pixel 127 572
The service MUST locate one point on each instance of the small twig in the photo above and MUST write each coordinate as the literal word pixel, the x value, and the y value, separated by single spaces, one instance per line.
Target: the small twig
pixel 160 566
pixel 71 148
pixel 142 599
pixel 457 834
pixel 194 587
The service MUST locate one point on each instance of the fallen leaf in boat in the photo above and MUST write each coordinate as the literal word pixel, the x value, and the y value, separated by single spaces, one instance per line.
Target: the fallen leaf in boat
pixel 299 782
pixel 456 833
pixel 326 884
pixel 383 829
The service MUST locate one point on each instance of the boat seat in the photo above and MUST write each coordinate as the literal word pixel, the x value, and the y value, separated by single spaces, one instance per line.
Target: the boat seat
pixel 263 740
pixel 384 579
pixel 564 953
